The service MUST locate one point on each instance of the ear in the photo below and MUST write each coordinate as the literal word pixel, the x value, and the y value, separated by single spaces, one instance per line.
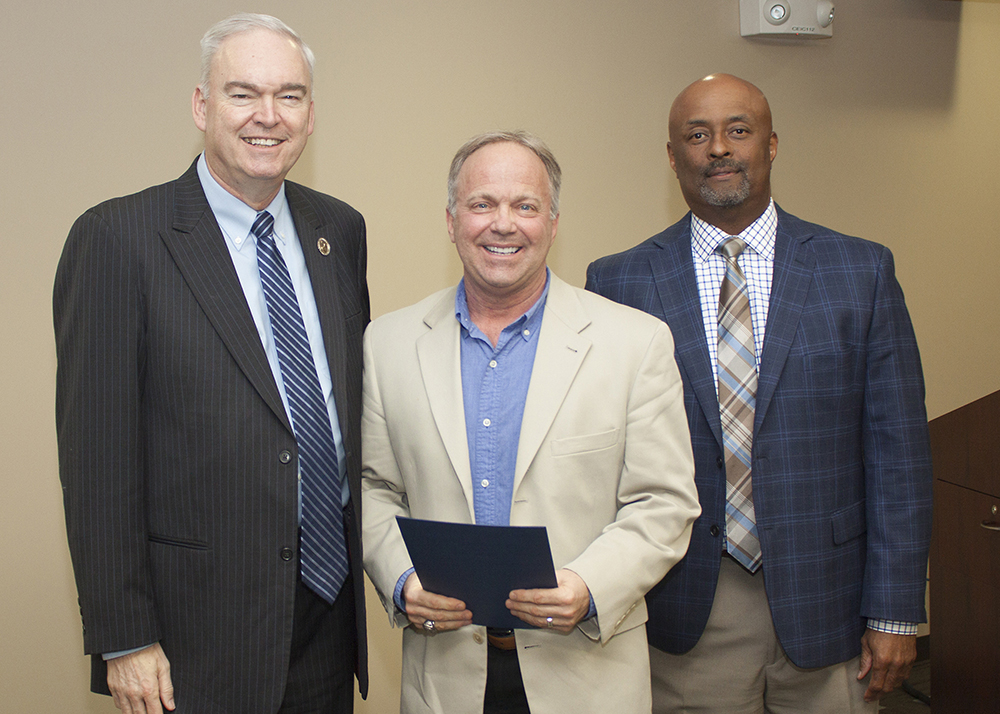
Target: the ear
pixel 773 148
pixel 312 118
pixel 450 220
pixel 670 155
pixel 198 108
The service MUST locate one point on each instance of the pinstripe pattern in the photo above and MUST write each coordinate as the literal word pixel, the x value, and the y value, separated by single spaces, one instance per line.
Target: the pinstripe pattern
pixel 323 552
pixel 179 507
pixel 841 460
pixel 737 397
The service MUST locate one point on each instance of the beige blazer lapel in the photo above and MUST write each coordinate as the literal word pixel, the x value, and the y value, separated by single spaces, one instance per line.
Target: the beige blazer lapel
pixel 439 358
pixel 560 352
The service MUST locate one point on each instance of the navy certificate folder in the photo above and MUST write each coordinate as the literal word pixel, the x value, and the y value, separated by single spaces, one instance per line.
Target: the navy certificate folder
pixel 479 565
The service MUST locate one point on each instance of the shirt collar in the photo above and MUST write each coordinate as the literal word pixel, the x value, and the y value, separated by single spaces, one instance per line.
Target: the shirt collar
pixel 235 218
pixel 529 320
pixel 759 235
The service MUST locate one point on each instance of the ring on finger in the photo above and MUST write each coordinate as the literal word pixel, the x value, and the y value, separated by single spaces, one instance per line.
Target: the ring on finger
pixel 548 622
pixel 429 625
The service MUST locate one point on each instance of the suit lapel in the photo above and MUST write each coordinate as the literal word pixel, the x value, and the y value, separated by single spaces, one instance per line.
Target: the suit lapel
pixel 794 263
pixel 558 356
pixel 198 248
pixel 439 357
pixel 680 308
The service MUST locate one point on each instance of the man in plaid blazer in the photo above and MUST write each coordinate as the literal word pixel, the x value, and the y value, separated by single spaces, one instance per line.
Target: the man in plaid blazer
pixel 840 463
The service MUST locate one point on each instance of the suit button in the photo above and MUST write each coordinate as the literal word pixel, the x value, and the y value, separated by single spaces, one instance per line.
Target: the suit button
pixel 714 530
pixel 287 554
pixel 720 462
pixel 285 456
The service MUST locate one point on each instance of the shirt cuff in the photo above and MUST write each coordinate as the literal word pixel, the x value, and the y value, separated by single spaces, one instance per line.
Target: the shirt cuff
pixel 397 594
pixel 893 627
pixel 121 653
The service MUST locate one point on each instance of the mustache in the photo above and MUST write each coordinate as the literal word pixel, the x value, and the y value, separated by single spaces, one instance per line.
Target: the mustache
pixel 730 164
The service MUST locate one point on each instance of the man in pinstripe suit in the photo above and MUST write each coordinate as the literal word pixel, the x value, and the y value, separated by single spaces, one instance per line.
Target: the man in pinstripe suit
pixel 178 459
pixel 823 618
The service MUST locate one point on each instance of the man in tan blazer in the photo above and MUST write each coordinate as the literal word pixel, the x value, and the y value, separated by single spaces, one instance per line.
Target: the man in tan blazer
pixel 518 399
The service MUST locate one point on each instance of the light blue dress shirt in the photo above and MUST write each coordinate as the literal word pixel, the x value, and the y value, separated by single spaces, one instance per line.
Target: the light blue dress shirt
pixel 235 219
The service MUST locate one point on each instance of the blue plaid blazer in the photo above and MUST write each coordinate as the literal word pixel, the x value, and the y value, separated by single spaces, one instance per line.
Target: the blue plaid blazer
pixel 841 460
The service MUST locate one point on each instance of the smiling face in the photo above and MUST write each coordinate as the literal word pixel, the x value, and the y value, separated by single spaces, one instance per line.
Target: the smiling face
pixel 258 113
pixel 502 225
pixel 721 148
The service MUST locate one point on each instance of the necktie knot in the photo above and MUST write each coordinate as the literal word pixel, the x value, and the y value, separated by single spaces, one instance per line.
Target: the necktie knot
pixel 732 248
pixel 262 225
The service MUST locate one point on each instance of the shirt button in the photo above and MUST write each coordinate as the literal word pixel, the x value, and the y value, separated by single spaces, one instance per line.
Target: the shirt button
pixel 486 422
pixel 526 333
pixel 493 363
pixel 485 482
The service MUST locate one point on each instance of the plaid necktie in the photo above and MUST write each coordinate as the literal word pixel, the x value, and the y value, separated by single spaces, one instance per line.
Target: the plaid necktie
pixel 322 549
pixel 737 399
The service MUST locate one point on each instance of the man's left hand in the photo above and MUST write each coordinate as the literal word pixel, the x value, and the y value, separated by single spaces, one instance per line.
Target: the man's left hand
pixel 889 658
pixel 566 604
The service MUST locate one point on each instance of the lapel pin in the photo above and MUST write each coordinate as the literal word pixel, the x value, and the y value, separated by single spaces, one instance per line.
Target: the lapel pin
pixel 324 246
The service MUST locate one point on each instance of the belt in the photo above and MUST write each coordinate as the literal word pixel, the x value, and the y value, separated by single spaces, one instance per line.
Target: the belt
pixel 501 639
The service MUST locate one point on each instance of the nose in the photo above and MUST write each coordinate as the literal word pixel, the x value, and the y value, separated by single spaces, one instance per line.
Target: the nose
pixel 719 147
pixel 503 219
pixel 266 113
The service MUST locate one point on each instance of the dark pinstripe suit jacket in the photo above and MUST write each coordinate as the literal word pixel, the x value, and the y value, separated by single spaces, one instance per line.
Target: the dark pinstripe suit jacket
pixel 181 502
pixel 841 464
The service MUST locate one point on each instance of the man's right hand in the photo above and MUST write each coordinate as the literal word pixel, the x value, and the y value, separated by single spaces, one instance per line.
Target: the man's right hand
pixel 140 681
pixel 446 613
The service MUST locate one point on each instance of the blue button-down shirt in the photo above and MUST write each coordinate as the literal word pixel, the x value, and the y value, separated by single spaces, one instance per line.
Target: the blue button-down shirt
pixel 494 388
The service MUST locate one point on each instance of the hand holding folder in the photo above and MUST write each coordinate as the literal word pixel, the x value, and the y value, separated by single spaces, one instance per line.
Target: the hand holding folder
pixel 479 565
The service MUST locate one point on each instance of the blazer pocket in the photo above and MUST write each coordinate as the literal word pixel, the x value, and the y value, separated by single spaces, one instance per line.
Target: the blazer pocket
pixel 177 542
pixel 585 443
pixel 849 522
pixel 354 323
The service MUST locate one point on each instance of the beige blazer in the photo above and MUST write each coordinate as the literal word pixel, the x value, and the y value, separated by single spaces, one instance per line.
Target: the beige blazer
pixel 604 462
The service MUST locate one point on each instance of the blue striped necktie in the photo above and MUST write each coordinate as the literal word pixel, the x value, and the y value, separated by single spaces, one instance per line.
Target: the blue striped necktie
pixel 322 549
pixel 737 401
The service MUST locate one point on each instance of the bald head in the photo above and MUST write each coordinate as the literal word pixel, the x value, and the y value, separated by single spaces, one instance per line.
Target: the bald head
pixel 721 148
pixel 717 87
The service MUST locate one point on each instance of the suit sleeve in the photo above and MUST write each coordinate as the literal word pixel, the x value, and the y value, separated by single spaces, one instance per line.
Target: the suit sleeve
pixel 98 317
pixel 383 494
pixel 897 460
pixel 658 501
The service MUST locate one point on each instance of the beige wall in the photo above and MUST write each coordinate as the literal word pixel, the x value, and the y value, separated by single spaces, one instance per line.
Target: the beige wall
pixel 887 131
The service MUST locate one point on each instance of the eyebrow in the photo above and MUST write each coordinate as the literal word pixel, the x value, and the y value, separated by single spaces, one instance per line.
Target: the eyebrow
pixel 488 196
pixel 730 120
pixel 290 87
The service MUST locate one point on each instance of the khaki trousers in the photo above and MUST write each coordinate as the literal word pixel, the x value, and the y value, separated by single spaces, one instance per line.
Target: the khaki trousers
pixel 738 667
